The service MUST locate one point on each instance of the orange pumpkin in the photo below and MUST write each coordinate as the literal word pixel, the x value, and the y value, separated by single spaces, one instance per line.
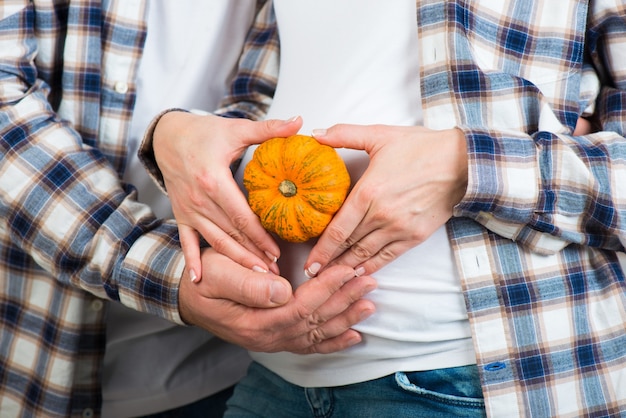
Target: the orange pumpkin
pixel 295 185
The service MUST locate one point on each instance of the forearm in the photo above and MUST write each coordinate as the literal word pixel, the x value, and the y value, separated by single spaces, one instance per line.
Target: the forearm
pixel 63 204
pixel 547 190
pixel 249 95
pixel 65 207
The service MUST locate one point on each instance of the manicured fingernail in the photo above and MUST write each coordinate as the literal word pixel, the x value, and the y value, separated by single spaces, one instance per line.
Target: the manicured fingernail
pixel 359 271
pixel 317 133
pixel 193 276
pixel 271 256
pixel 312 270
pixel 292 119
pixel 259 269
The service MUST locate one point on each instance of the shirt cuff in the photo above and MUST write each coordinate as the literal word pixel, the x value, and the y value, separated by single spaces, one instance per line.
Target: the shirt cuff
pixel 146 151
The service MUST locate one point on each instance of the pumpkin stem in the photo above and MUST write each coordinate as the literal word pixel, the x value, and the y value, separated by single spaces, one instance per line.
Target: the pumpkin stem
pixel 287 188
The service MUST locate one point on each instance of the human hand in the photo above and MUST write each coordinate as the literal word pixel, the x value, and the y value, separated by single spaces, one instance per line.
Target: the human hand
pixel 258 311
pixel 194 153
pixel 583 127
pixel 414 179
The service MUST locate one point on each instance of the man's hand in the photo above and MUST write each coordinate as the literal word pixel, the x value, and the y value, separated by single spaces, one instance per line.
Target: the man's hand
pixel 258 311
pixel 414 179
pixel 194 154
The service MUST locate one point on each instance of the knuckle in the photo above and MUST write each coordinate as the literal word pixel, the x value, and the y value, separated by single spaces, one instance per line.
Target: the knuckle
pixel 207 182
pixel 418 235
pixel 240 222
pixel 349 242
pixel 336 234
pixel 316 336
pixel 369 193
pixel 387 254
pixel 382 216
pixel 314 320
pixel 360 251
pixel 196 198
pixel 219 244
pixel 237 236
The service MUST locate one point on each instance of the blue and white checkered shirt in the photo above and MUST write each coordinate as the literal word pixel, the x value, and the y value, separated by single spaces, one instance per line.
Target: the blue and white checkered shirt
pixel 539 237
pixel 71 233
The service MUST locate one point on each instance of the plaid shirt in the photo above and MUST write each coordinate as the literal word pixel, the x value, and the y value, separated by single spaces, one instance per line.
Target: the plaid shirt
pixel 71 234
pixel 539 236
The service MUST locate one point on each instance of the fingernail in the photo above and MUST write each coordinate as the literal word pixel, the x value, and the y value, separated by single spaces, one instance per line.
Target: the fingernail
pixel 359 271
pixel 193 276
pixel 278 293
pixel 312 270
pixel 259 269
pixel 316 133
pixel 365 314
pixel 292 119
pixel 274 269
pixel 271 256
pixel 353 340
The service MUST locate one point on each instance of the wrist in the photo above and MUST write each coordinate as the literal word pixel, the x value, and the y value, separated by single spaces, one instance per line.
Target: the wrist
pixel 461 165
pixel 167 125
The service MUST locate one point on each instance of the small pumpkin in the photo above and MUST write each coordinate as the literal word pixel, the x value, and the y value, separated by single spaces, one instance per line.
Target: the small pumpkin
pixel 295 185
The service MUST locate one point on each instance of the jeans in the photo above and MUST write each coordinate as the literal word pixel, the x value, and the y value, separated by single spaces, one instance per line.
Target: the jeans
pixel 210 407
pixel 452 392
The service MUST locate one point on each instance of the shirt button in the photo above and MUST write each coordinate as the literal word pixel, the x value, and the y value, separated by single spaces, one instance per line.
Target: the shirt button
pixel 97 305
pixel 87 413
pixel 121 87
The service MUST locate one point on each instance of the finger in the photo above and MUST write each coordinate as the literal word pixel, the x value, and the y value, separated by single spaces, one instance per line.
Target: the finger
pixel 340 309
pixel 312 294
pixel 335 318
pixel 337 334
pixel 258 132
pixel 238 220
pixel 364 247
pixel 385 256
pixel 358 137
pixel 339 343
pixel 190 243
pixel 335 239
pixel 222 240
pixel 225 238
pixel 243 286
pixel 325 317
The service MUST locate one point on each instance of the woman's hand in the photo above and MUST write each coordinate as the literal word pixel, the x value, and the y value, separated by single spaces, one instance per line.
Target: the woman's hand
pixel 194 154
pixel 414 179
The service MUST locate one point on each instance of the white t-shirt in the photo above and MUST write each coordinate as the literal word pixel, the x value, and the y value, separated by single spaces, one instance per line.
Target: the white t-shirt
pixel 152 365
pixel 364 70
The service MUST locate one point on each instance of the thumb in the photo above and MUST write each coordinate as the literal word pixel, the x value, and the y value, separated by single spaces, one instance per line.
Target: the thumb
pixel 274 128
pixel 263 290
pixel 254 288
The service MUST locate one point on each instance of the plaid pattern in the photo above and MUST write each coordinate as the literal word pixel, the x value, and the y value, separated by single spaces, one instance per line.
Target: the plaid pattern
pixel 539 237
pixel 70 231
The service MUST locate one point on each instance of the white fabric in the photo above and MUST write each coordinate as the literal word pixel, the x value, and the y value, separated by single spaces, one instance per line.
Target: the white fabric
pixel 366 72
pixel 152 365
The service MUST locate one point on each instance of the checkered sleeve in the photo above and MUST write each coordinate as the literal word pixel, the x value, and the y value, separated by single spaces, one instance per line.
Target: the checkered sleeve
pixel 251 91
pixel 61 201
pixel 548 189
pixel 253 86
